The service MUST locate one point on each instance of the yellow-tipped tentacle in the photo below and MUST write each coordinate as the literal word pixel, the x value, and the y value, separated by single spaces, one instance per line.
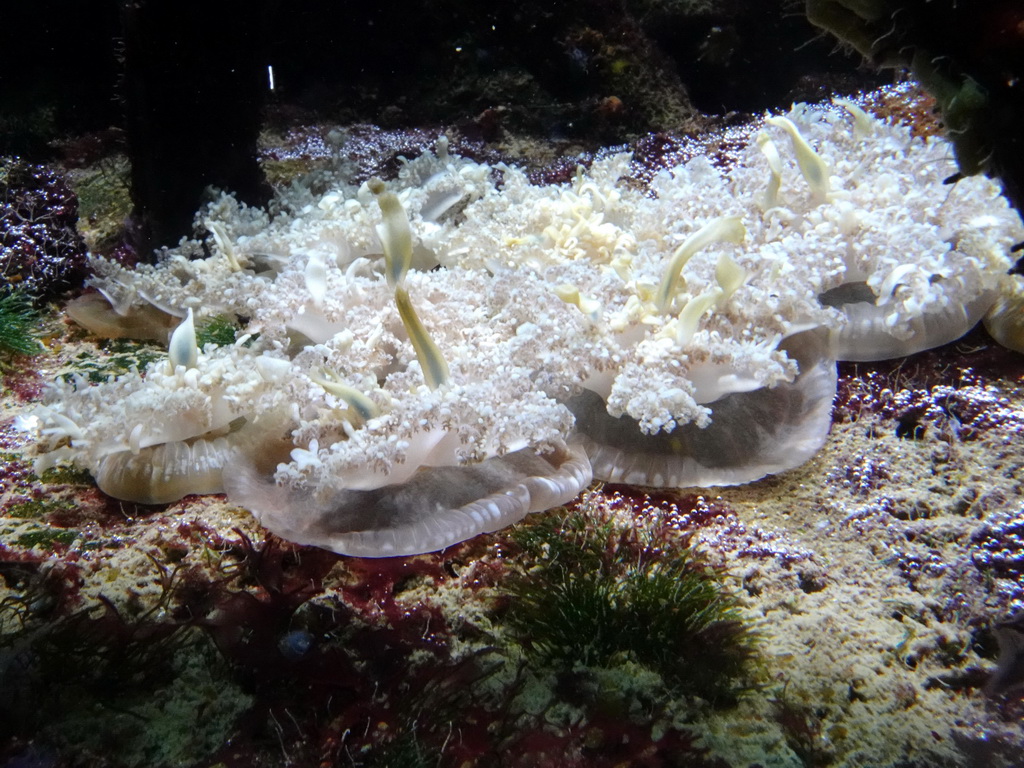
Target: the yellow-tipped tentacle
pixel 435 369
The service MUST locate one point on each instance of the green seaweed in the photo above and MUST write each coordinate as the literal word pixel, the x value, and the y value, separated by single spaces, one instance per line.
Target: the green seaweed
pixel 121 356
pixel 601 595
pixel 220 330
pixel 47 538
pixel 18 323
pixel 67 475
pixel 35 508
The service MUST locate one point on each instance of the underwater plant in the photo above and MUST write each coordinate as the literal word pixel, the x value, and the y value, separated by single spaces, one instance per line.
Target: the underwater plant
pixel 219 331
pixel 441 355
pixel 598 594
pixel 19 322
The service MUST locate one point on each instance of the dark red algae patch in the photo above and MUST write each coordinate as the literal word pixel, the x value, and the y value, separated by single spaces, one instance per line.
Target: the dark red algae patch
pixel 337 669
pixel 343 670
pixel 42 587
pixel 22 380
pixel 290 640
pixel 607 741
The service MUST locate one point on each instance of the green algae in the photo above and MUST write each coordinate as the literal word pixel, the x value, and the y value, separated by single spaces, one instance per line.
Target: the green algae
pixel 219 330
pixel 35 509
pixel 18 323
pixel 119 356
pixel 67 475
pixel 47 538
pixel 601 595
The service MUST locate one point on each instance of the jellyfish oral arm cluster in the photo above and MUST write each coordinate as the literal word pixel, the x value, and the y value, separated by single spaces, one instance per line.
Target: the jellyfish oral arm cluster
pixel 434 357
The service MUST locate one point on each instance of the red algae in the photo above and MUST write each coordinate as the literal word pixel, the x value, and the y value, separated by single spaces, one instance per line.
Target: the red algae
pixel 23 381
